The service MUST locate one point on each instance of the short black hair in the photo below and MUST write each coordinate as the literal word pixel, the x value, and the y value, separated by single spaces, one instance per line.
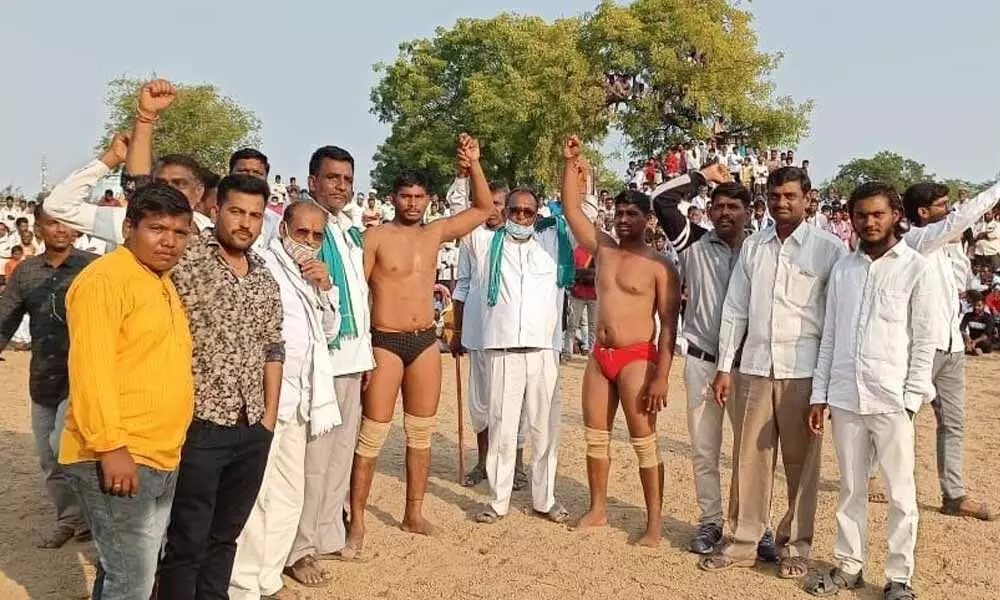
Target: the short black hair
pixel 16 248
pixel 870 189
pixel 409 178
pixel 973 296
pixel 524 190
pixel 293 208
pixel 249 154
pixel 156 199
pixel 329 153
pixel 9 198
pixel 733 190
pixel 209 179
pixel 499 187
pixel 922 195
pixel 247 184
pixel 758 204
pixel 789 174
pixel 38 213
pixel 20 220
pixel 109 192
pixel 180 160
pixel 636 199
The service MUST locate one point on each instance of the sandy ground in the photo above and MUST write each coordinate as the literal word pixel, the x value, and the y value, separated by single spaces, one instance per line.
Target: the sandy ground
pixel 525 557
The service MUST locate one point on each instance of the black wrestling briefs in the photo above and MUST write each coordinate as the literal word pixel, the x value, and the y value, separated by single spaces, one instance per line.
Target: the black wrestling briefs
pixel 407 345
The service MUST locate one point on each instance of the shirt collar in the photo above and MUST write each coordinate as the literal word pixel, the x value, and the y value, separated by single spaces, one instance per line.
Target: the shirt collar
pixel 799 234
pixel 209 239
pixel 898 249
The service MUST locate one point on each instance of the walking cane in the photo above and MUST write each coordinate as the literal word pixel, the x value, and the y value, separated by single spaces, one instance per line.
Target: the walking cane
pixel 461 418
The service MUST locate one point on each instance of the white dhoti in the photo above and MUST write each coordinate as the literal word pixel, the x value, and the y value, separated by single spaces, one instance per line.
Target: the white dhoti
pixel 891 435
pixel 479 397
pixel 523 380
pixel 704 419
pixel 268 534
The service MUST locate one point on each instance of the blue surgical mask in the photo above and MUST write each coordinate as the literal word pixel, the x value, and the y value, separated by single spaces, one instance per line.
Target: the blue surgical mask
pixel 518 231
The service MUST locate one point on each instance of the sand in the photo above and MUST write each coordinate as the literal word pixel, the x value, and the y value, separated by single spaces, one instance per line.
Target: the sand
pixel 526 557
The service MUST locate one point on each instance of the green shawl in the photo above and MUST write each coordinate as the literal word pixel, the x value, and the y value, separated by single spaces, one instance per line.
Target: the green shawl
pixel 565 274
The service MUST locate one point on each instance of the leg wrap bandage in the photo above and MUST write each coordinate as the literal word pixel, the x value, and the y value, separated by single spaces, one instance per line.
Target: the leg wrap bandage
pixel 371 438
pixel 419 431
pixel 647 451
pixel 598 443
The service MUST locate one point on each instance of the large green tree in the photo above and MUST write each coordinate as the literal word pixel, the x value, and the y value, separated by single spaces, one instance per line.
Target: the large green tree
pixel 202 122
pixel 519 84
pixel 692 69
pixel 885 166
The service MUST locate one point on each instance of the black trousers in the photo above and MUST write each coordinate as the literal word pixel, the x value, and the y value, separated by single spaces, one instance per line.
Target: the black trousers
pixel 217 484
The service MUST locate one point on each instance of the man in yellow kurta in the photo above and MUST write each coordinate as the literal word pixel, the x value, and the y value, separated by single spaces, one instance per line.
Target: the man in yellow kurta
pixel 131 391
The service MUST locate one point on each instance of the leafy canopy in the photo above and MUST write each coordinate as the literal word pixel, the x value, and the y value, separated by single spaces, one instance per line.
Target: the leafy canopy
pixel 202 122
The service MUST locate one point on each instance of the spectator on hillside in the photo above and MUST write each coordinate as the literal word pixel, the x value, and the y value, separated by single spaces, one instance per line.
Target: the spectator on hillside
pixel 993 300
pixel 761 220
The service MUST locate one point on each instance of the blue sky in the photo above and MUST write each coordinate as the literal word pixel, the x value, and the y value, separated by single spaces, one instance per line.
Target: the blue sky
pixel 915 77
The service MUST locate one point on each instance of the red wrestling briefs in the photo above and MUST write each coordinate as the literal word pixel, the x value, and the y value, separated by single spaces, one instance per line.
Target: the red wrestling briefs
pixel 613 360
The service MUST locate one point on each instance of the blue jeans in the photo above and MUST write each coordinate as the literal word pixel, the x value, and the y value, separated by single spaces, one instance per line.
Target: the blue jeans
pixel 128 532
pixel 47 425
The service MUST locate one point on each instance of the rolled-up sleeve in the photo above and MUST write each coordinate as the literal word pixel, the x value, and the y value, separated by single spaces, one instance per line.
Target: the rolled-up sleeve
pixel 464 276
pixel 274 344
pixel 458 195
pixel 68 204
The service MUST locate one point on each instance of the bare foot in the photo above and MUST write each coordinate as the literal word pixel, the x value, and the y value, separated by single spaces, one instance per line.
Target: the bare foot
pixel 419 526
pixel 354 543
pixel 592 519
pixel 650 539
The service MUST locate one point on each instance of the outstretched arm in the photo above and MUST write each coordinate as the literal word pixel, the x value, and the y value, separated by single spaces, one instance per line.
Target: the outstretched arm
pixel 68 201
pixel 457 226
pixel 935 236
pixel 575 170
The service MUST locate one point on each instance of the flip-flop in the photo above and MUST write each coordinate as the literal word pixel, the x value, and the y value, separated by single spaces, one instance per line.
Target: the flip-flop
pixel 477 475
pixel 788 568
pixel 308 563
pixel 833 582
pixel 721 562
pixel 488 516
pixel 557 514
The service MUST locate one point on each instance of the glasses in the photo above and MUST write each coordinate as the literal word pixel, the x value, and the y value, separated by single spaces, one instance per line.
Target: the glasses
pixel 521 211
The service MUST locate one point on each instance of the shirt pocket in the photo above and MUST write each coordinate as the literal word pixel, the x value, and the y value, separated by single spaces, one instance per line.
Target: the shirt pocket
pixel 800 285
pixel 540 264
pixel 893 306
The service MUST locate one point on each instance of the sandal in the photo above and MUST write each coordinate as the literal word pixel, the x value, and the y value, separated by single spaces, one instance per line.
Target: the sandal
pixel 520 478
pixel 793 567
pixel 57 538
pixel 488 516
pixel 557 514
pixel 477 475
pixel 876 492
pixel 898 591
pixel 833 582
pixel 307 572
pixel 966 507
pixel 721 562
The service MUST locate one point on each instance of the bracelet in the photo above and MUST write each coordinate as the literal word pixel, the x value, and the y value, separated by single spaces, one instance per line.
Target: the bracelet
pixel 143 117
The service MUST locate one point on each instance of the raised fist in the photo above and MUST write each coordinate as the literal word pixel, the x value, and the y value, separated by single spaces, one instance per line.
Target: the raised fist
pixel 156 95
pixel 118 149
pixel 716 173
pixel 572 149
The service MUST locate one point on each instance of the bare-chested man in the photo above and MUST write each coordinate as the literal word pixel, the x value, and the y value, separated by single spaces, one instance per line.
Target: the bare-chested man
pixel 628 364
pixel 401 268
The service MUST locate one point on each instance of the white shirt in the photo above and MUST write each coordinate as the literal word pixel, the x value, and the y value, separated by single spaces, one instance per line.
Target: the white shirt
pixel 699 201
pixel 355 354
pixel 354 211
pixel 528 312
pixel 468 290
pixel 939 243
pixel 777 297
pixel 877 351
pixel 90 244
pixel 990 245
